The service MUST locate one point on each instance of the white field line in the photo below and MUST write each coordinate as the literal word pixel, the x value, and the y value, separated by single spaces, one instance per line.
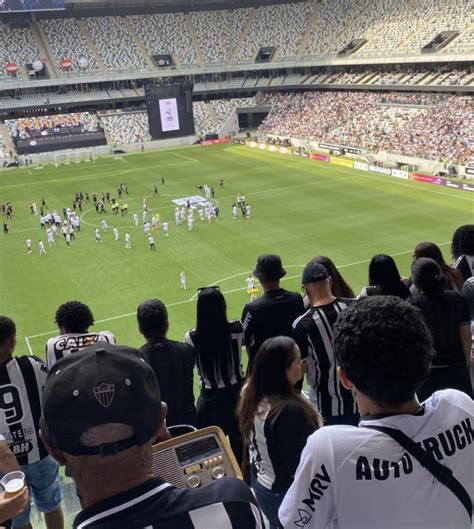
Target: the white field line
pixel 30 350
pixel 192 299
pixel 184 157
pixel 93 176
pixel 389 180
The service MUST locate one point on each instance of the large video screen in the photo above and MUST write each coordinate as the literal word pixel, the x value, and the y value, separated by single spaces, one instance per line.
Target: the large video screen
pixel 170 110
pixel 12 6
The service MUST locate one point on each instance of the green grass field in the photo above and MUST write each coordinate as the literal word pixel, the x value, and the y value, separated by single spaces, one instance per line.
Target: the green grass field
pixel 300 208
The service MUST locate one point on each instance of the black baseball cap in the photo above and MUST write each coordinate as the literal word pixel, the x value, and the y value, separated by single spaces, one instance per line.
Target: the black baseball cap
pixel 314 272
pixel 269 268
pixel 100 385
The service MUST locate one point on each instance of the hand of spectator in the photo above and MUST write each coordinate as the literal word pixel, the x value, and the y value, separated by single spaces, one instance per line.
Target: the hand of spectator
pixel 11 507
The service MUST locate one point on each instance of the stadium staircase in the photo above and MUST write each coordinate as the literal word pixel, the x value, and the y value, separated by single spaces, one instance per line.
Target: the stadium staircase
pixel 139 43
pixel 90 43
pixel 45 51
pixel 7 139
pixel 238 44
pixel 194 40
pixel 307 34
pixel 461 33
pixel 361 14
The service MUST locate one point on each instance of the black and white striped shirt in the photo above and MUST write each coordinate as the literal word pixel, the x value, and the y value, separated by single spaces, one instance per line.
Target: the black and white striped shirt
pixel 221 376
pixel 22 380
pixel 66 344
pixel 313 332
pixel 223 504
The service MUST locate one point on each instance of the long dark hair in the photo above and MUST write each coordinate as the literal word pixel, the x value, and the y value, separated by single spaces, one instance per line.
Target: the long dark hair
pixel 384 274
pixel 340 288
pixel 463 241
pixel 429 249
pixel 268 380
pixel 212 329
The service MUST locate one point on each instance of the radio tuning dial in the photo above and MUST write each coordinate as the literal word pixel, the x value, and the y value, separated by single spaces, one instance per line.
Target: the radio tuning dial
pixel 218 472
pixel 193 481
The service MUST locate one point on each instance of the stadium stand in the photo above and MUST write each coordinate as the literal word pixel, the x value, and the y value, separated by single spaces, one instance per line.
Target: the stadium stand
pixel 67 42
pixel 16 46
pixel 27 127
pixel 218 32
pixel 165 34
pixel 116 46
pixel 129 127
pixel 282 26
pixel 366 120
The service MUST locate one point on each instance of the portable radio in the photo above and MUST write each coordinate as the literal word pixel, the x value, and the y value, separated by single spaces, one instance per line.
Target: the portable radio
pixel 194 459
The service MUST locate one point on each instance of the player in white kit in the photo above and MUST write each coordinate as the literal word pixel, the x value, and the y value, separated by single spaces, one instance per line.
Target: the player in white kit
pixel 165 229
pixel 41 248
pixel 176 215
pixel 50 233
pixel 116 233
pixel 182 278
pixel 151 242
pixel 248 209
pixel 201 213
pixel 147 228
pixel 98 236
pixel 104 225
pixel 135 219
pixel 190 223
pixel 182 214
pixel 128 241
pixel 28 246
pixel 234 212
pixel 144 217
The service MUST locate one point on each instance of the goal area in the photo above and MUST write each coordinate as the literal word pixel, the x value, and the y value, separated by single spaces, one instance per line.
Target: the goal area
pixel 69 157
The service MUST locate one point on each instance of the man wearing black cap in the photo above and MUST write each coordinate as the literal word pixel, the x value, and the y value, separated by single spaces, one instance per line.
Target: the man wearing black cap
pixel 273 313
pixel 313 334
pixel 102 412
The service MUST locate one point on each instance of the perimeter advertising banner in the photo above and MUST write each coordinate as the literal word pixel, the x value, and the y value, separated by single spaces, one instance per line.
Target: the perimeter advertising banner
pixel 341 161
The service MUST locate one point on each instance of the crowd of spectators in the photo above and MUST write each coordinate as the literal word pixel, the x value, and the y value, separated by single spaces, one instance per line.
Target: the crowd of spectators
pixel 24 127
pixel 359 119
pixel 388 375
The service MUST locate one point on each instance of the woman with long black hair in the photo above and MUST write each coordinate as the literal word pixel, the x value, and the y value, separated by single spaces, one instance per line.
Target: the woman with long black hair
pixel 218 344
pixel 275 422
pixel 448 317
pixel 384 279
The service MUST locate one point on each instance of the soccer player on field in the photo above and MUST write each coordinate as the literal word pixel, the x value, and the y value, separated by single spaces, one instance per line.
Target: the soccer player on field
pixel 116 233
pixel 128 242
pixel 234 211
pixel 201 213
pixel 182 278
pixel 50 233
pixel 135 219
pixel 151 242
pixel 104 225
pixel 28 246
pixel 190 223
pixel 144 217
pixel 98 236
pixel 248 209
pixel 155 191
pixel 41 247
pixel 68 240
pixel 165 229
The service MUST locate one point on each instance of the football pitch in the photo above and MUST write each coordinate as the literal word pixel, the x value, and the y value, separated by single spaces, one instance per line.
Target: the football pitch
pixel 300 208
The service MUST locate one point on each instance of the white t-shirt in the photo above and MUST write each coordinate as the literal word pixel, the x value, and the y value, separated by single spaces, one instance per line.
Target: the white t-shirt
pixel 356 478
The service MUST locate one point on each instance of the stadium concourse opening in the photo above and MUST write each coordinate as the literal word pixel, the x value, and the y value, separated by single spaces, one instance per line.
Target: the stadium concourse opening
pixel 268 205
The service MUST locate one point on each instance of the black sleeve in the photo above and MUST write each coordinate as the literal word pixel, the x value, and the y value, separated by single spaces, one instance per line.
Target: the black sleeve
pixel 464 310
pixel 247 325
pixel 291 430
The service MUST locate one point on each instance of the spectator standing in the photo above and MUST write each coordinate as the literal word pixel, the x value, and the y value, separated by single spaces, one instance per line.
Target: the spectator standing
pixel 218 345
pixel 73 319
pixel 275 422
pixel 172 363
pixel 462 248
pixel 339 286
pixel 384 279
pixel 448 317
pixel 360 477
pixel 468 293
pixel 453 278
pixel 313 333
pixel 22 380
pixel 273 313
pixel 101 414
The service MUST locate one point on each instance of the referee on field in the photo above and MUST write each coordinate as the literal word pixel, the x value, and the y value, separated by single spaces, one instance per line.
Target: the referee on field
pixel 22 379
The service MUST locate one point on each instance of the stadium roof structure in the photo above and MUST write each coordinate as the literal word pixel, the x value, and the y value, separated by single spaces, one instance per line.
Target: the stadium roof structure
pixel 171 4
